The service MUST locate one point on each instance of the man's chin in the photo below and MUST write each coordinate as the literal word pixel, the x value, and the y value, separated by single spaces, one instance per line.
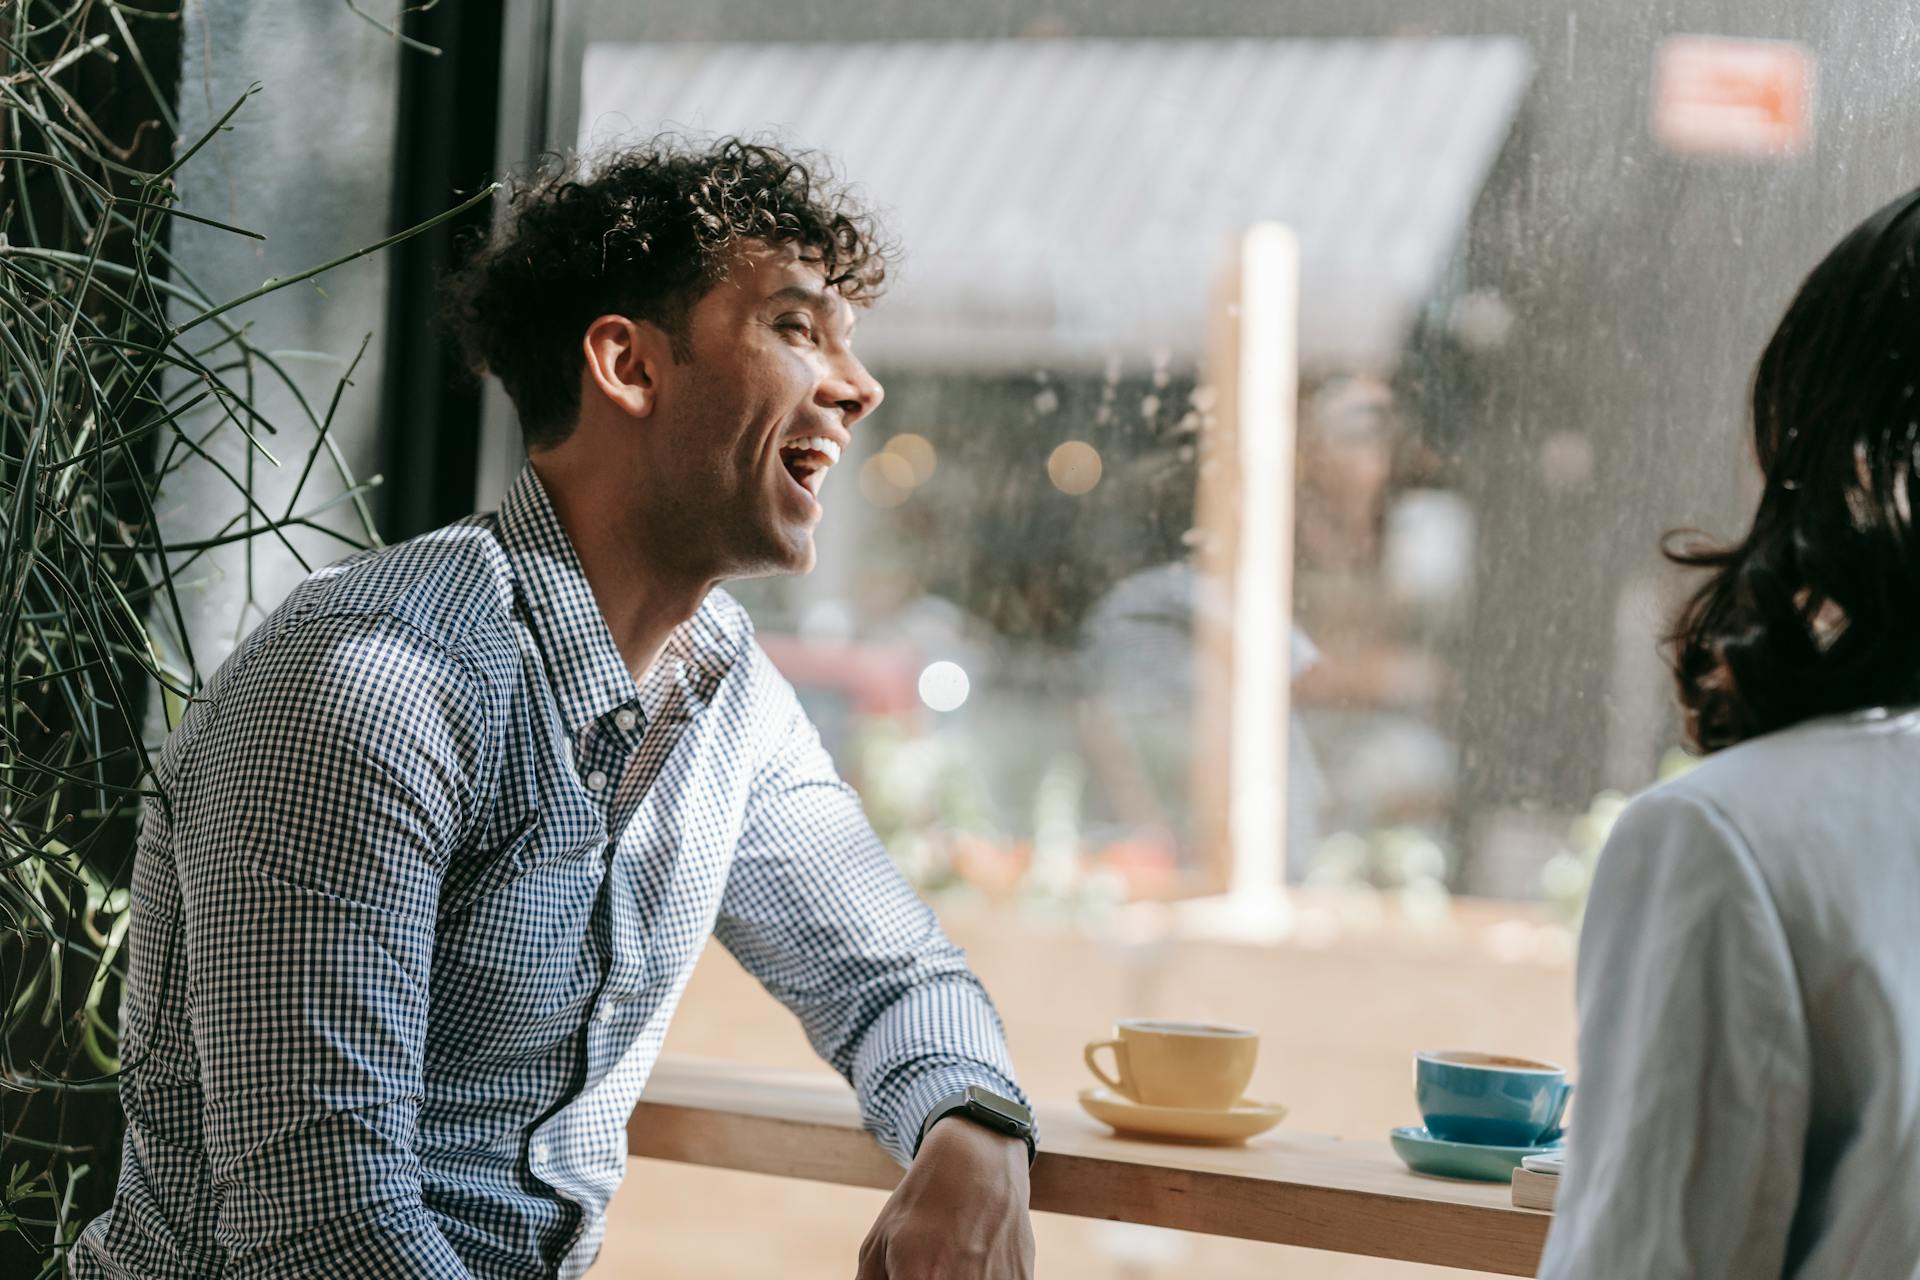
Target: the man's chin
pixel 790 556
pixel 803 559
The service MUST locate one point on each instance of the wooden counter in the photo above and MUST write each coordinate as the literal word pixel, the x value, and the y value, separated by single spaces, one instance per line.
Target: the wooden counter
pixel 1284 1187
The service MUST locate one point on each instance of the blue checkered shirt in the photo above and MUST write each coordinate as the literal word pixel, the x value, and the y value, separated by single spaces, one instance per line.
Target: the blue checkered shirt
pixel 430 875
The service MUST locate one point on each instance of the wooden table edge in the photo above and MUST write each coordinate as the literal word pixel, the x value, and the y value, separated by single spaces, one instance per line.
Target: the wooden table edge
pixel 732 1118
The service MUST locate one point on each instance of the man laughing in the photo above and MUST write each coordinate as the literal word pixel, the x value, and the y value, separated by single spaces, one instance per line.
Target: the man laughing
pixel 441 842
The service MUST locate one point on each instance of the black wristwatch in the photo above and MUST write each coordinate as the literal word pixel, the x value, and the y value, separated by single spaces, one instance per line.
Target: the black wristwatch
pixel 985 1107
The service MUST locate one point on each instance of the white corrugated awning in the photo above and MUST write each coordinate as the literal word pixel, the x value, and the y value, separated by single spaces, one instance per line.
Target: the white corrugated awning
pixel 1065 201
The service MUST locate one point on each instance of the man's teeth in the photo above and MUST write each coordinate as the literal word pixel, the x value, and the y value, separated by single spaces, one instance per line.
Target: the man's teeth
pixel 814 444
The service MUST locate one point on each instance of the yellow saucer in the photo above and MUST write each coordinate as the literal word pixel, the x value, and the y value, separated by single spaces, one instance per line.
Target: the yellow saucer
pixel 1192 1124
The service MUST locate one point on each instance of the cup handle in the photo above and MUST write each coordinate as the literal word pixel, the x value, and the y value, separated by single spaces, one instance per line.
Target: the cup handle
pixel 1555 1128
pixel 1122 1085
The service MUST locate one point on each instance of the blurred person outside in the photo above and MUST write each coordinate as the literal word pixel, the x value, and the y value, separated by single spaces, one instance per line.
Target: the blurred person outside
pixel 436 851
pixel 1370 703
pixel 1138 653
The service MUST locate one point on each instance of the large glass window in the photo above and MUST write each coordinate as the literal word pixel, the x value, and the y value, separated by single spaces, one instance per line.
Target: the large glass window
pixel 1246 603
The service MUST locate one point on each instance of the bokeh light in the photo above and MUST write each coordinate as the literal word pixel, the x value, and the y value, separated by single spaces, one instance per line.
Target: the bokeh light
pixel 918 452
pixel 1074 467
pixel 944 686
pixel 886 479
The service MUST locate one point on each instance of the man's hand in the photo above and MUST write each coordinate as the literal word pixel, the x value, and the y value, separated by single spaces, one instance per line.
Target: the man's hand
pixel 959 1214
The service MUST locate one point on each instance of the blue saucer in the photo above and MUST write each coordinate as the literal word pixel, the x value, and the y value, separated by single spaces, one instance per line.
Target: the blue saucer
pixel 1424 1153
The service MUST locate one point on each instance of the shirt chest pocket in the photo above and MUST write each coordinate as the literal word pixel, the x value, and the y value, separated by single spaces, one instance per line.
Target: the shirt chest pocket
pixel 529 846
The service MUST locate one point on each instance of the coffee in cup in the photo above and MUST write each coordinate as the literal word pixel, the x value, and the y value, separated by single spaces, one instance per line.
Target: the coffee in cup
pixel 1163 1063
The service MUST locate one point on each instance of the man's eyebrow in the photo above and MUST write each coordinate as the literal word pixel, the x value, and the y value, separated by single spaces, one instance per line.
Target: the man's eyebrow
pixel 815 298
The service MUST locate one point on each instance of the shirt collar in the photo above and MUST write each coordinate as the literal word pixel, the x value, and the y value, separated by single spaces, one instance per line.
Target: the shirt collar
pixel 589 677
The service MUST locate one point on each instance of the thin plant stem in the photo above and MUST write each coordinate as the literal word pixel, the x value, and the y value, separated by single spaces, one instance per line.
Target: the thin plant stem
pixel 110 394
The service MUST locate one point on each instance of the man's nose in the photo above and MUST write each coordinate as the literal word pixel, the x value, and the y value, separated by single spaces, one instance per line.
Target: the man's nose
pixel 854 391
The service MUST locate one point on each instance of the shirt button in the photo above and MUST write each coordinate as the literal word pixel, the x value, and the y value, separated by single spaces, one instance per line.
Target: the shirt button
pixel 625 718
pixel 539 1152
pixel 596 781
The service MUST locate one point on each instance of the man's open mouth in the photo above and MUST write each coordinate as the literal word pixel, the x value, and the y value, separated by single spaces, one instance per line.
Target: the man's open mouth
pixel 807 459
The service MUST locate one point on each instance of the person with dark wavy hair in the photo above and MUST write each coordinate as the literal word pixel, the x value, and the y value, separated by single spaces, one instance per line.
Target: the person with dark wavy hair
pixel 436 851
pixel 1749 970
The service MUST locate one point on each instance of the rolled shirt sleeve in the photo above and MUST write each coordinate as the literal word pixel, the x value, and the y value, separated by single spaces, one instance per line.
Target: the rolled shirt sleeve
pixel 818 913
pixel 313 815
pixel 1690 1119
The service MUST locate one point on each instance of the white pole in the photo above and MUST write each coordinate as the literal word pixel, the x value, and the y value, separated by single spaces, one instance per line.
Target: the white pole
pixel 1262 590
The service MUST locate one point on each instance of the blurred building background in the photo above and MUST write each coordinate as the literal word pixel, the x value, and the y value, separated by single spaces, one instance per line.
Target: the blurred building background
pixel 1526 325
pixel 1527 320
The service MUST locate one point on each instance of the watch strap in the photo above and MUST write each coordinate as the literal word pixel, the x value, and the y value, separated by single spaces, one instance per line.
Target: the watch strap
pixel 989 1110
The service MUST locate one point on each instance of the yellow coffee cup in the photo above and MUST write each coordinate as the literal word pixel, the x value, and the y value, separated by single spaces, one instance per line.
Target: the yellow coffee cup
pixel 1162 1063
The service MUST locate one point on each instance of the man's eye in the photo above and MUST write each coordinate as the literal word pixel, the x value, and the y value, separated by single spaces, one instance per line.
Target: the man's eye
pixel 795 324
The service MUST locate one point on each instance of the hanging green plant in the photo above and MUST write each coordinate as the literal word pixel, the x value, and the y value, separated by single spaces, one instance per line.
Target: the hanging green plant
pixel 116 369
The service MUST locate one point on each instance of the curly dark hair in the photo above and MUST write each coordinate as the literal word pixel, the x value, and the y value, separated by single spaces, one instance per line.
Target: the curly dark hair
pixel 644 232
pixel 1816 611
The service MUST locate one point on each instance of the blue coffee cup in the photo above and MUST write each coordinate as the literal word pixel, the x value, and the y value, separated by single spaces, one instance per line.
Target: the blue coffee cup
pixel 1490 1099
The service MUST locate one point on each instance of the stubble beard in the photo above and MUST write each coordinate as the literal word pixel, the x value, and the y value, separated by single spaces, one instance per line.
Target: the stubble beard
pixel 745 537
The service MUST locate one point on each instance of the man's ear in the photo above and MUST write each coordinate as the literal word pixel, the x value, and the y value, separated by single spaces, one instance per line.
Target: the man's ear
pixel 624 360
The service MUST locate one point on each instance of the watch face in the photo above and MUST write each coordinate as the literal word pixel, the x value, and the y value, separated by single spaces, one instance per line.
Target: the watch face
pixel 987 1100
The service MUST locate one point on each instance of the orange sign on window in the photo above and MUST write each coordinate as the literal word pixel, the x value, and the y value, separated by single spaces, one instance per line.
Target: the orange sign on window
pixel 1715 95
